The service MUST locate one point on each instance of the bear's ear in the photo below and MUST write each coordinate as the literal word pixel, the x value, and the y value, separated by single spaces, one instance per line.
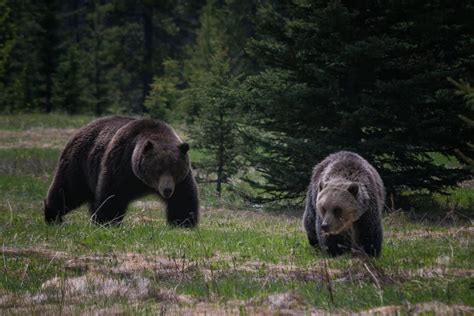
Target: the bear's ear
pixel 353 188
pixel 184 147
pixel 148 146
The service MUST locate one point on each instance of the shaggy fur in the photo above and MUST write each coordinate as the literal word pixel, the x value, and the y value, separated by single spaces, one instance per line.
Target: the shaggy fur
pixel 114 160
pixel 344 206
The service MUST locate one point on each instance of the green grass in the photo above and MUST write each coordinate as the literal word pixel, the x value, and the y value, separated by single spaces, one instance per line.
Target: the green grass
pixel 37 120
pixel 457 197
pixel 361 296
pixel 233 262
pixel 30 154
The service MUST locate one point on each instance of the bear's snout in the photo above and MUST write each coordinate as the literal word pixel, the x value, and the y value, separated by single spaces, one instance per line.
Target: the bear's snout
pixel 166 186
pixel 325 227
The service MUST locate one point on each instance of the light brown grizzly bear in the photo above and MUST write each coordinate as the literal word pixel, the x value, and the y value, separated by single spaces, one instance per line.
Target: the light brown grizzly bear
pixel 344 206
pixel 114 160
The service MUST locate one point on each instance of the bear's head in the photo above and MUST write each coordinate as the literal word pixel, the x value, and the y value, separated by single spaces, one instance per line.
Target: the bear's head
pixel 338 205
pixel 160 166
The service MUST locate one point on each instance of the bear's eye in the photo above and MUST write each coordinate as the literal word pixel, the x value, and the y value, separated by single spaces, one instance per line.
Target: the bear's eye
pixel 337 212
pixel 323 211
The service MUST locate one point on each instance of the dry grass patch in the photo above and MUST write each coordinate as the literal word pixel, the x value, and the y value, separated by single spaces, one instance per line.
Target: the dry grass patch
pixel 452 232
pixel 162 268
pixel 35 138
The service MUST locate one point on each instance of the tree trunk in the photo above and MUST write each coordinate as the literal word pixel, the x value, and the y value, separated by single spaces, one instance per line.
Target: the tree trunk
pixel 220 162
pixel 75 21
pixel 48 92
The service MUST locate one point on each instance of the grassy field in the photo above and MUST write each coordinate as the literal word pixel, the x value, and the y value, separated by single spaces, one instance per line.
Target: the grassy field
pixel 239 261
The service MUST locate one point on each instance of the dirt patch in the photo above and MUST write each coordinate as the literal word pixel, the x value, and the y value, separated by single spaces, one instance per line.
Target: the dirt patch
pixel 36 138
pixel 237 308
pixel 435 308
pixel 467 184
pixel 287 300
pixel 93 286
pixel 291 304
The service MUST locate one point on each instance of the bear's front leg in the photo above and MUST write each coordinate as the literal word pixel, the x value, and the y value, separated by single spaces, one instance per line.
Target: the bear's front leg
pixel 333 245
pixel 112 198
pixel 183 206
pixel 369 236
pixel 109 210
pixel 309 220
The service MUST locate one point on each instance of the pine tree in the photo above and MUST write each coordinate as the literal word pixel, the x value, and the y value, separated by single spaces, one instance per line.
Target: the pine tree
pixel 215 130
pixel 48 50
pixel 22 79
pixel 70 83
pixel 223 26
pixel 164 93
pixel 7 43
pixel 362 76
pixel 7 39
pixel 101 44
pixel 466 90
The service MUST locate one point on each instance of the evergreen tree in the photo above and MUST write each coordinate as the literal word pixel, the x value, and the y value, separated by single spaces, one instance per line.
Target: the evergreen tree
pixel 121 46
pixel 48 42
pixel 101 43
pixel 70 83
pixel 223 26
pixel 363 76
pixel 215 130
pixel 156 30
pixel 466 90
pixel 164 93
pixel 22 78
pixel 7 40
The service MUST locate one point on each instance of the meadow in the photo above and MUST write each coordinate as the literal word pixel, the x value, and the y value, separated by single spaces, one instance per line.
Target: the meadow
pixel 242 259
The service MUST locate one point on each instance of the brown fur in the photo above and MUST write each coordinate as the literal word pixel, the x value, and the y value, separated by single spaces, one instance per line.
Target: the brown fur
pixel 344 205
pixel 114 160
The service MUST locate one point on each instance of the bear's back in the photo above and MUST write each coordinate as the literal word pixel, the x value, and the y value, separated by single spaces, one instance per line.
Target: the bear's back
pixel 84 150
pixel 352 167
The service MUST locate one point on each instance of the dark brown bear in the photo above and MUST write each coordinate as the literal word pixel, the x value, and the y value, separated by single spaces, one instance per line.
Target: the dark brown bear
pixel 344 205
pixel 114 160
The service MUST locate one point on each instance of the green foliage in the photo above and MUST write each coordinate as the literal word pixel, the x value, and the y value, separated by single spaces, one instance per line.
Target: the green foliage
pixel 162 100
pixel 215 131
pixel 367 77
pixel 21 78
pixel 7 40
pixel 70 83
pixel 465 89
pixel 105 52
pixel 211 76
pixel 101 42
pixel 224 26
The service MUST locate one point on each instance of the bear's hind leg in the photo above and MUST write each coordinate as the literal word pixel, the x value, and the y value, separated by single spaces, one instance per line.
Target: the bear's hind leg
pixel 183 206
pixel 64 197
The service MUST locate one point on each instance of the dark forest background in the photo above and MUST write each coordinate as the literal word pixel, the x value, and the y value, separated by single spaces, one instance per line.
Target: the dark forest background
pixel 263 89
